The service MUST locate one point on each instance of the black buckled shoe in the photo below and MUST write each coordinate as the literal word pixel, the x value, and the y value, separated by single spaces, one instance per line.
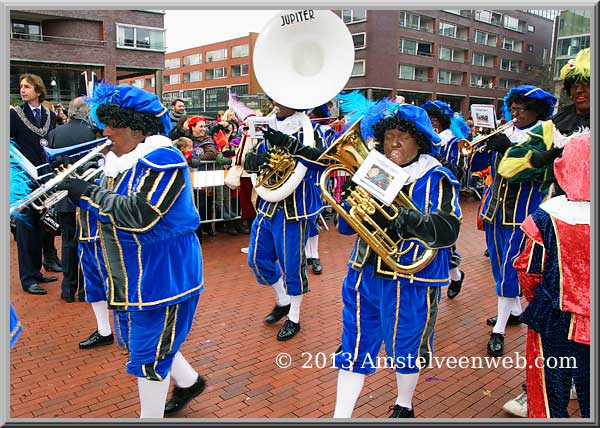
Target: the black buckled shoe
pixel 512 320
pixel 401 412
pixel 316 267
pixel 455 286
pixel 289 330
pixel 96 340
pixel 495 346
pixel 46 278
pixel 182 396
pixel 34 288
pixel 277 313
pixel 67 298
pixel 53 266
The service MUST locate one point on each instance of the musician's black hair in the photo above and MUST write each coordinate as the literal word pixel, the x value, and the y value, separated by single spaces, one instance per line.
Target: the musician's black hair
pixel 116 116
pixel 437 113
pixel 570 81
pixel 542 108
pixel 403 125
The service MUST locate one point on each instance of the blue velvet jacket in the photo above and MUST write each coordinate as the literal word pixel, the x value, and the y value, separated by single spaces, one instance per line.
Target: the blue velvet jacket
pixel 147 223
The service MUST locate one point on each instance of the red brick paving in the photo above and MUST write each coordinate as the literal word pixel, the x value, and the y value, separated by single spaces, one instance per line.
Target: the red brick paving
pixel 229 344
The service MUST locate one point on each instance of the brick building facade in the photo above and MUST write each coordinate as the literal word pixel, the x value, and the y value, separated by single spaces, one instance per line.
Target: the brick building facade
pixel 60 45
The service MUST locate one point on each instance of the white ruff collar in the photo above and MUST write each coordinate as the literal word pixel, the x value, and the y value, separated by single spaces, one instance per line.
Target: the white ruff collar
pixel 446 135
pixel 418 169
pixel 114 165
pixel 293 123
pixel 571 212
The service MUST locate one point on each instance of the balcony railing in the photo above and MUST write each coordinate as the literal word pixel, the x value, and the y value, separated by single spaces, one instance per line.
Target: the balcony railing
pixel 58 39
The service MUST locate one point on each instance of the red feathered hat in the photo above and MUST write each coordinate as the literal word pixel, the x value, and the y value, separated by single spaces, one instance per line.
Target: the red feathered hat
pixel 572 169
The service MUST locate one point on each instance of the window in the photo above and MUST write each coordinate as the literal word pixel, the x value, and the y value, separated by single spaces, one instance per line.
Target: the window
pixel 480 81
pixel 218 55
pixel 172 63
pixel 508 43
pixel 528 67
pixel 192 76
pixel 570 46
pixel 510 65
pixel 149 38
pixel 360 40
pixel 489 17
pixel 351 16
pixel 410 20
pixel 412 47
pixel 506 83
pixel 529 48
pixel 150 82
pixel 484 38
pixel 406 72
pixel 138 83
pixel 358 69
pixel 449 77
pixel 192 59
pixel 531 28
pixel 239 70
pixel 171 79
pixel 26 30
pixel 216 73
pixel 446 54
pixel 483 60
pixel 239 51
pixel 511 23
pixel 447 29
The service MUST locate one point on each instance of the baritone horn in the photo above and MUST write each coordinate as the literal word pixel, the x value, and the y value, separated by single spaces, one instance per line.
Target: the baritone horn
pixel 350 151
pixel 301 59
pixel 467 148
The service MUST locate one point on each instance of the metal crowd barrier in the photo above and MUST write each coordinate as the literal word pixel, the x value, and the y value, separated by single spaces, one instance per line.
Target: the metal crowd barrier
pixel 214 201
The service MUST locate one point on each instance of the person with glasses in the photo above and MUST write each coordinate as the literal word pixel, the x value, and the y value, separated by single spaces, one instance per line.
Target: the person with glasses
pixel 534 158
pixel 509 204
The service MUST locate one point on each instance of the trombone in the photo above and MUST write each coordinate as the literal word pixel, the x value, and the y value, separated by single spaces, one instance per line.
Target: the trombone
pixel 467 148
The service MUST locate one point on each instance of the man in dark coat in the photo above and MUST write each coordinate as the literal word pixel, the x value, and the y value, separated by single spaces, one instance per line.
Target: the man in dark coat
pixel 29 126
pixel 76 131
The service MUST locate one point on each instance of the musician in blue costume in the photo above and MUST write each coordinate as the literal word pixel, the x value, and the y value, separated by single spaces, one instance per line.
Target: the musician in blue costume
pixel 510 203
pixel 451 128
pixel 312 243
pixel 153 259
pixel 94 278
pixel 278 236
pixel 383 305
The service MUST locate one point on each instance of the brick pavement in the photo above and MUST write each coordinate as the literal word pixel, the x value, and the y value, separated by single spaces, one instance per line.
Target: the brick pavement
pixel 229 344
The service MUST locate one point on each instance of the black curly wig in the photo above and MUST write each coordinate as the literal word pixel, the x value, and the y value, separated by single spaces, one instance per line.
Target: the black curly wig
pixel 437 113
pixel 403 125
pixel 542 108
pixel 570 81
pixel 115 116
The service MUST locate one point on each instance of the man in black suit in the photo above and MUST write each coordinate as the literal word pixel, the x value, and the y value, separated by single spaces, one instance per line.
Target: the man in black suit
pixel 29 126
pixel 76 131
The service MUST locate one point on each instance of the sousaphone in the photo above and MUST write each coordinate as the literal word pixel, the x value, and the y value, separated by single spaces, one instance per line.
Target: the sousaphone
pixel 302 59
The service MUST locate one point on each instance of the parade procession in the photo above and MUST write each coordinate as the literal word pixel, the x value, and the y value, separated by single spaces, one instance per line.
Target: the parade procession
pixel 421 217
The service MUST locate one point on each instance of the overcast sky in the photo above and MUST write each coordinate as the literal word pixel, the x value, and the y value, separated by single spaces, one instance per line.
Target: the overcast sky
pixel 191 28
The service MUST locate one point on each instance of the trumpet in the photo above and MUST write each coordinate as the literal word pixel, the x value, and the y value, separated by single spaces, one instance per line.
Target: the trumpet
pixel 467 148
pixel 46 196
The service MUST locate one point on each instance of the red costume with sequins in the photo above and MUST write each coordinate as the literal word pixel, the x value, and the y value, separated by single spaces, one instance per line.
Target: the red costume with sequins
pixel 554 275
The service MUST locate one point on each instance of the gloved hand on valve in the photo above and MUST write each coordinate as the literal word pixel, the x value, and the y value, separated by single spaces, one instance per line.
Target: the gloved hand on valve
pixel 437 229
pixel 498 143
pixel 75 186
pixel 254 161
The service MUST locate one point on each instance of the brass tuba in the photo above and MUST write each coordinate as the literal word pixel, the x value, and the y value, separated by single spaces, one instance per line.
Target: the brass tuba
pixel 301 59
pixel 350 151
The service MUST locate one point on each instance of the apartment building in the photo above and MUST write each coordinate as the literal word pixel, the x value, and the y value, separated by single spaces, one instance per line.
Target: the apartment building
pixel 462 57
pixel 203 76
pixel 59 45
pixel 572 34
